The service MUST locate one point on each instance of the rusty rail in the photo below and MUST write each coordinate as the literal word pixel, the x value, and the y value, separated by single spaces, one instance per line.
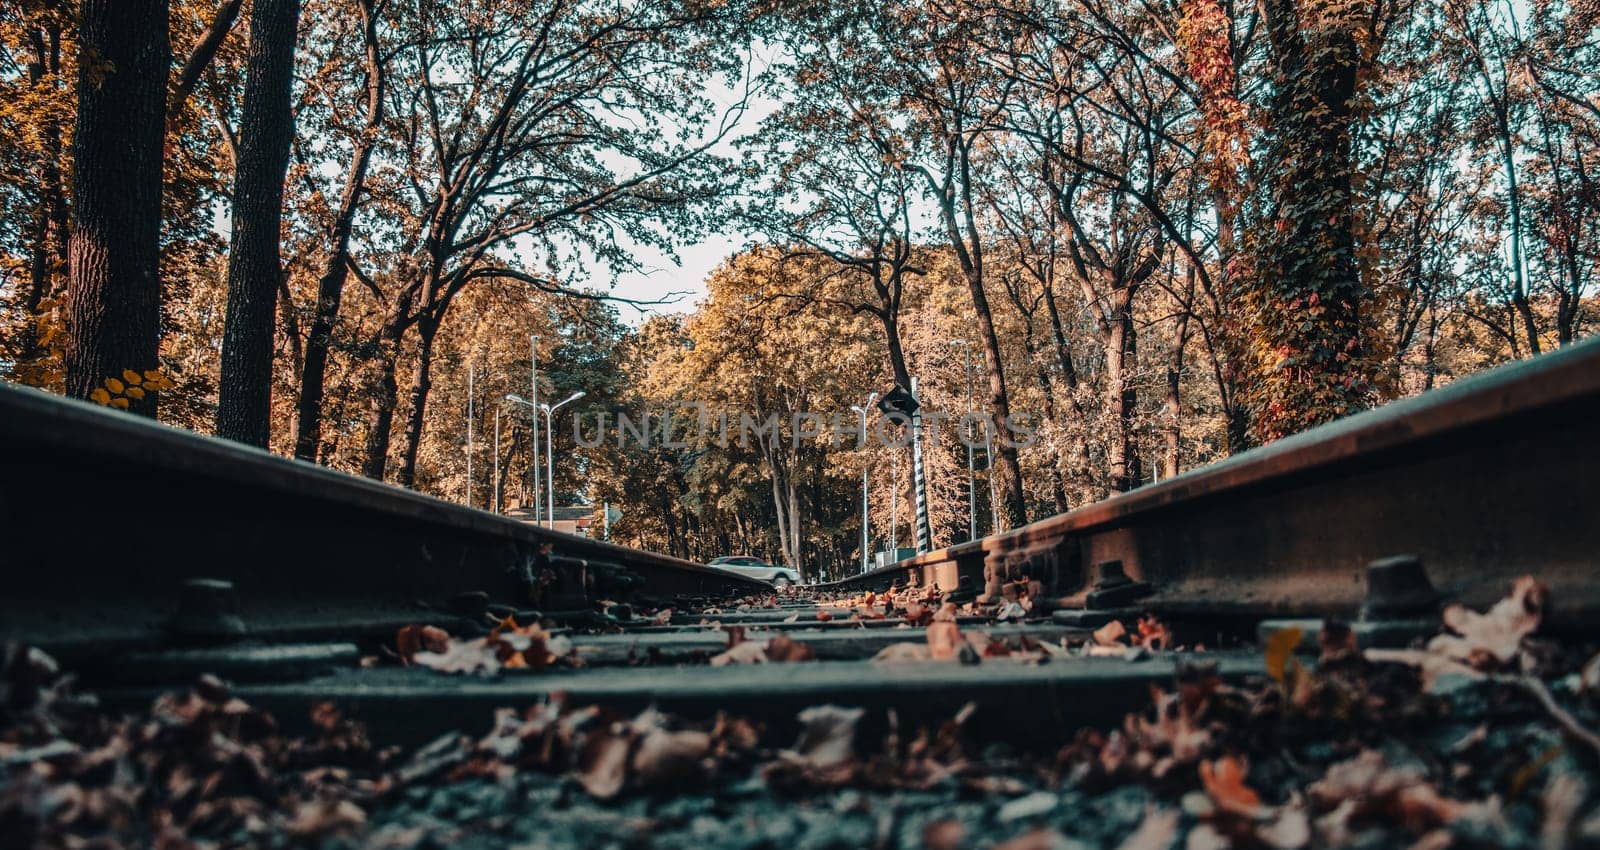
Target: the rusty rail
pixel 1488 478
pixel 106 519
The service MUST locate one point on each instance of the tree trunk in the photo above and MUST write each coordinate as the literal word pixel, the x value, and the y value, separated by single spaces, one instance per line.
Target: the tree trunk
pixel 48 253
pixel 421 384
pixel 1118 413
pixel 1172 455
pixel 266 127
pixel 381 419
pixel 1312 324
pixel 114 291
pixel 330 285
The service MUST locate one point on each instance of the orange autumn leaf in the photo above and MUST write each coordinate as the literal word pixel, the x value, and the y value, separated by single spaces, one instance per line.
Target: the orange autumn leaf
pixel 1224 783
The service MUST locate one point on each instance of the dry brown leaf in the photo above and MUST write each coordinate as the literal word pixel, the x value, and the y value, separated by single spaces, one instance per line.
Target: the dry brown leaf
pixel 664 757
pixel 1384 794
pixel 1110 634
pixel 413 639
pixel 1153 634
pixel 603 764
pixel 463 656
pixel 1493 639
pixel 784 648
pixel 746 652
pixel 944 640
pixel 1224 782
pixel 827 735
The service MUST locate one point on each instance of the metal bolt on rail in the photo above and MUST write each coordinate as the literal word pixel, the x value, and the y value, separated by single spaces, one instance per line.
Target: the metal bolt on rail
pixel 208 612
pixel 1400 606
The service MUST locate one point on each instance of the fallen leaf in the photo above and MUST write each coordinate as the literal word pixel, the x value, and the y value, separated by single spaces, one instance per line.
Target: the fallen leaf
pixel 747 652
pixel 1011 610
pixel 1224 782
pixel 664 758
pixel 827 735
pixel 784 648
pixel 1279 652
pixel 603 763
pixel 944 640
pixel 1153 634
pixel 1493 639
pixel 1110 634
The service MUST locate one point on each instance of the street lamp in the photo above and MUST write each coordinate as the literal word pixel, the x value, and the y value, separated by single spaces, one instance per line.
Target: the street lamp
pixel 866 537
pixel 549 453
pixel 533 389
pixel 972 474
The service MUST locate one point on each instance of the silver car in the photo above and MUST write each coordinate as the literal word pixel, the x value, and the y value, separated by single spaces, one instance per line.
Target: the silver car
pixel 756 568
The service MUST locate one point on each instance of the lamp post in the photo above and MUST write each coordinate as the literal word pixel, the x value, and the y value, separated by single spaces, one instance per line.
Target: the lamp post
pixel 866 535
pixel 894 500
pixel 494 480
pixel 549 453
pixel 533 390
pixel 972 474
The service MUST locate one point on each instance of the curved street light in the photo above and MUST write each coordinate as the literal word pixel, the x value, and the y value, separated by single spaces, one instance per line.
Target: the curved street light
pixel 549 453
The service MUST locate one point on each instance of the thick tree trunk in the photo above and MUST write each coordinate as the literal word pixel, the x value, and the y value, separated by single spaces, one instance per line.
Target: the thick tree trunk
pixel 1119 413
pixel 330 285
pixel 380 420
pixel 1312 324
pixel 421 384
pixel 114 292
pixel 266 127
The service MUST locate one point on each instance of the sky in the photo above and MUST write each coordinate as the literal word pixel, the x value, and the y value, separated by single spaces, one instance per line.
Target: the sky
pixel 662 277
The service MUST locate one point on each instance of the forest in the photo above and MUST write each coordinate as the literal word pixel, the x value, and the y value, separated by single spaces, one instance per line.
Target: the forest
pixel 1153 232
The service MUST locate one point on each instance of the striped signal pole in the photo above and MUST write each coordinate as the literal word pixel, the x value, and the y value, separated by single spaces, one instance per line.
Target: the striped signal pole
pixel 919 479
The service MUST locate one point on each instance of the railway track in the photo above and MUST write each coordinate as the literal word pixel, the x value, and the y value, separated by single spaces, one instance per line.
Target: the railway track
pixel 145 558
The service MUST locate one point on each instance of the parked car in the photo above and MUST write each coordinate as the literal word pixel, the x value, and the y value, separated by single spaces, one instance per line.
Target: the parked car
pixel 756 568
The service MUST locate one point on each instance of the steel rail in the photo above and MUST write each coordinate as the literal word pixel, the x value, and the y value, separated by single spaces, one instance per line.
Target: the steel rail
pixel 104 517
pixel 1485 479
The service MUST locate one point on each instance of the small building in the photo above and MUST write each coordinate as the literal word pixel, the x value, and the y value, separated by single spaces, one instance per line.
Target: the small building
pixel 572 519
